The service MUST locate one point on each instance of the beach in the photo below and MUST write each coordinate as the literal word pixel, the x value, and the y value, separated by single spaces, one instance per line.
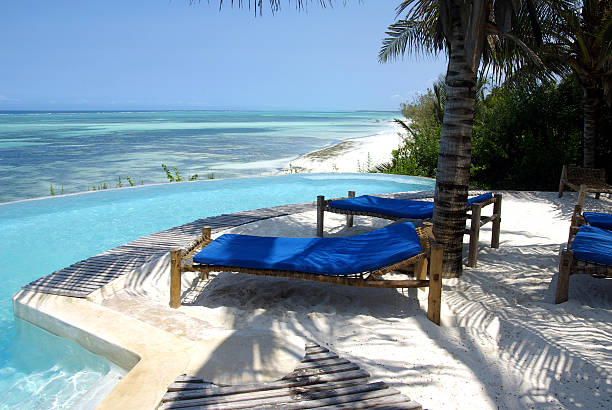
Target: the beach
pixel 353 155
pixel 502 343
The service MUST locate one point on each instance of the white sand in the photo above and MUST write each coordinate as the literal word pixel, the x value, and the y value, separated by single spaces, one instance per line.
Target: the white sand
pixel 353 155
pixel 502 343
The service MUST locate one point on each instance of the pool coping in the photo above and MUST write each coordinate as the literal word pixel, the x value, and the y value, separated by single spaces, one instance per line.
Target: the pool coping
pixel 152 357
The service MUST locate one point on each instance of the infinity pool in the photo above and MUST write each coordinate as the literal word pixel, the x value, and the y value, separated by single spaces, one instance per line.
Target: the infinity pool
pixel 40 236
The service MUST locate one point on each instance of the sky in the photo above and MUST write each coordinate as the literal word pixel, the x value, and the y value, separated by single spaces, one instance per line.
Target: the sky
pixel 168 54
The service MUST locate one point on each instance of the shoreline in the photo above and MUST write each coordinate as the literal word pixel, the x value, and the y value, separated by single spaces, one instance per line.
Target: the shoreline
pixel 354 155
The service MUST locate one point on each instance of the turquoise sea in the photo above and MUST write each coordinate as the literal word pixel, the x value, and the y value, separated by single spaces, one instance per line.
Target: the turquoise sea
pixel 75 151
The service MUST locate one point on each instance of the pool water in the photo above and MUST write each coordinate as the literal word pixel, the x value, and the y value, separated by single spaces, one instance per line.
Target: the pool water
pixel 41 236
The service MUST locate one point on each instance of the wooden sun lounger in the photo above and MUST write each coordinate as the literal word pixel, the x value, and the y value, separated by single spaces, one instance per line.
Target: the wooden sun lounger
pixel 426 263
pixel 474 214
pixel 593 178
pixel 568 265
pixel 322 380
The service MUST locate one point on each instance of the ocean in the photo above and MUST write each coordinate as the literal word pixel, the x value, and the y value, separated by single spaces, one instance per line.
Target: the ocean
pixel 70 152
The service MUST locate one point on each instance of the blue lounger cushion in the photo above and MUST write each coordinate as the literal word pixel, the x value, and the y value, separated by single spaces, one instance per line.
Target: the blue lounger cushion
pixel 593 244
pixel 401 208
pixel 324 256
pixel 599 220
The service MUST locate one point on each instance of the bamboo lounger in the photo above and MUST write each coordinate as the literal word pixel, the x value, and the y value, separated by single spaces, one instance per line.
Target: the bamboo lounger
pixel 593 178
pixel 475 215
pixel 570 265
pixel 426 263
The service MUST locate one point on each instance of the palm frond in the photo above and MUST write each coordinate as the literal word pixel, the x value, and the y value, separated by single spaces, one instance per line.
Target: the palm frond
pixel 408 36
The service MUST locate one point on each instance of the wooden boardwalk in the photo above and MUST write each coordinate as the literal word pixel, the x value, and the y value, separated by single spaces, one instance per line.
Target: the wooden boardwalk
pixel 84 277
pixel 322 380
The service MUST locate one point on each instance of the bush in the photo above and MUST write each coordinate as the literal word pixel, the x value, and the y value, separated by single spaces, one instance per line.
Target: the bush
pixel 521 136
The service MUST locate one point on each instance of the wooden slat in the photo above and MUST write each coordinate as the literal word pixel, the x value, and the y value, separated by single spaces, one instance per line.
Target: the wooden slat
pixel 285 397
pixel 316 349
pixel 394 402
pixel 249 397
pixel 280 384
pixel 319 356
pixel 321 363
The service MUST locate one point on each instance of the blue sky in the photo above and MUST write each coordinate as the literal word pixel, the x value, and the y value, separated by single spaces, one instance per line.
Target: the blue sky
pixel 161 54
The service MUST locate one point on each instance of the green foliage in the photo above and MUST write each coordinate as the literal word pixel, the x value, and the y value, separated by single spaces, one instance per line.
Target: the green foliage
pixel 367 166
pixel 522 139
pixel 177 176
pixel 52 191
pixel 129 180
pixel 418 155
pixel 521 136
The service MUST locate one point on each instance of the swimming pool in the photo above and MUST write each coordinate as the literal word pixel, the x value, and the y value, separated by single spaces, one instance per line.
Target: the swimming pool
pixel 40 236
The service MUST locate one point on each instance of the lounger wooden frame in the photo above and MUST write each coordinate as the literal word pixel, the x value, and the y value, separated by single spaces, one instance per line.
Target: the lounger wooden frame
pixel 474 214
pixel 569 265
pixel 426 266
pixel 593 178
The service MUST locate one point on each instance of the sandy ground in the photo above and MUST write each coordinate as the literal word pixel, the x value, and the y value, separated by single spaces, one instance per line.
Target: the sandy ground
pixel 502 343
pixel 354 155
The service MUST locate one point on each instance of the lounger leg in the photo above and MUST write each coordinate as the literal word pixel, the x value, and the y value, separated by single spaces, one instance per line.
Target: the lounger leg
pixel 562 180
pixel 320 211
pixel 349 218
pixel 497 221
pixel 474 235
pixel 582 195
pixel 434 302
pixel 175 278
pixel 567 258
pixel 420 271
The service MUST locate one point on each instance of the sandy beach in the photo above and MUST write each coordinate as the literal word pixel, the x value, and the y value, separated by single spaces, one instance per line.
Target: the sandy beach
pixel 352 155
pixel 503 343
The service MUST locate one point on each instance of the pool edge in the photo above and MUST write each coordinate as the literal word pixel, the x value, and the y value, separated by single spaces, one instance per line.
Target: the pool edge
pixel 152 357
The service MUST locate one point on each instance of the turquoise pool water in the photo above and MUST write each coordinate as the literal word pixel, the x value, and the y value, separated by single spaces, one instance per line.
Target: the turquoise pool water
pixel 40 236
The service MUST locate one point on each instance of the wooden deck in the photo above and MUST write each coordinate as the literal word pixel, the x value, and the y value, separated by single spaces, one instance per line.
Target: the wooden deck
pixel 84 277
pixel 322 380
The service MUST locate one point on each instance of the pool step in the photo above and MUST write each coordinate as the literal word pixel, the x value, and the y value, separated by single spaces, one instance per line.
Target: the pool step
pixel 84 277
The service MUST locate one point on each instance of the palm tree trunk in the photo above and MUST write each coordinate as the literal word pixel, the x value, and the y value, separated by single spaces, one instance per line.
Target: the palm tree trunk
pixel 590 127
pixel 453 172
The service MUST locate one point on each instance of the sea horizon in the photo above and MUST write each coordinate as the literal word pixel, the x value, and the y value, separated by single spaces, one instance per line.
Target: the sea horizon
pixel 44 152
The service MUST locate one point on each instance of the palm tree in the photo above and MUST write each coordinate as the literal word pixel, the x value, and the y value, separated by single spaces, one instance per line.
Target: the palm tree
pixel 471 32
pixel 578 40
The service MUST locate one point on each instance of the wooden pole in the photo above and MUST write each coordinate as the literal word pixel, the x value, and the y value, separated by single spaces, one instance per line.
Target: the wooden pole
pixel 206 237
pixel 349 217
pixel 582 195
pixel 420 270
pixel 497 221
pixel 320 211
pixel 434 302
pixel 562 294
pixel 175 278
pixel 206 233
pixel 474 235
pixel 562 180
